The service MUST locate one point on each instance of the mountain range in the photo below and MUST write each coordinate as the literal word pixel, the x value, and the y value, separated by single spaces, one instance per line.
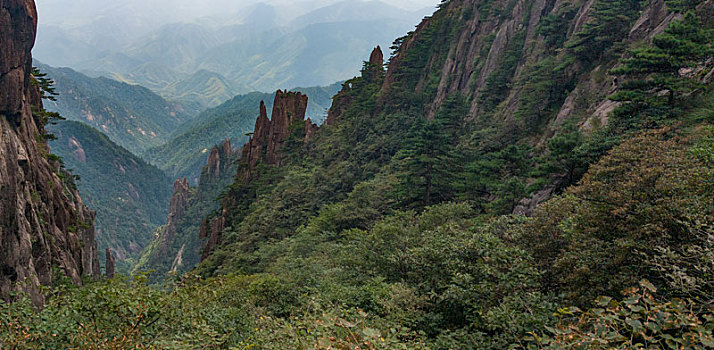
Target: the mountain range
pixel 520 174
pixel 209 59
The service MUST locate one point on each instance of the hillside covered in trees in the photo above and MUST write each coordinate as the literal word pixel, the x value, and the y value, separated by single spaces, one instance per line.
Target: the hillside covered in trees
pixel 524 174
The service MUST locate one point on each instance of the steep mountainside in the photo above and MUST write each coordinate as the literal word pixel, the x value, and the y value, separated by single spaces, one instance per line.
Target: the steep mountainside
pixel 176 247
pixel 132 116
pixel 526 174
pixel 188 150
pixel 499 105
pixel 129 195
pixel 45 229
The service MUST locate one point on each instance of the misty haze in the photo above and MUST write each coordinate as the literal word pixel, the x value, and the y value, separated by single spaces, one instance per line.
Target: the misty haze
pixel 357 174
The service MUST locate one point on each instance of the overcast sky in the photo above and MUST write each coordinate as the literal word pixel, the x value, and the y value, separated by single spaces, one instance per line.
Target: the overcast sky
pixel 78 12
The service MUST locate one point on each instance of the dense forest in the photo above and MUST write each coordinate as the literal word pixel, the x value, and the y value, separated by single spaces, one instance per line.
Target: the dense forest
pixel 525 174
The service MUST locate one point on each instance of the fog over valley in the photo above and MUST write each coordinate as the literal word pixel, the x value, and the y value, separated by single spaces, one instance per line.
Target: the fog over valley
pixel 206 52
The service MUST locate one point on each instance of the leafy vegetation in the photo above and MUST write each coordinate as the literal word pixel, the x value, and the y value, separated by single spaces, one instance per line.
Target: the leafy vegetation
pixel 130 196
pixel 397 226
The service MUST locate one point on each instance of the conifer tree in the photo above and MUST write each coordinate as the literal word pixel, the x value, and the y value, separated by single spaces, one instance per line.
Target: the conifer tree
pixel 655 78
pixel 609 23
pixel 429 162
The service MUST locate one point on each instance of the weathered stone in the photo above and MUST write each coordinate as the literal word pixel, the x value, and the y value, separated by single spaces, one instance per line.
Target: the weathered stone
pixel 265 145
pixel 44 223
pixel 377 57
pixel 109 265
pixel 310 129
pixel 211 235
pixel 177 207
pixel 288 108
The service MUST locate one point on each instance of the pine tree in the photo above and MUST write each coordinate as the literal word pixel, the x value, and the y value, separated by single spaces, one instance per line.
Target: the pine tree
pixel 655 78
pixel 609 23
pixel 429 163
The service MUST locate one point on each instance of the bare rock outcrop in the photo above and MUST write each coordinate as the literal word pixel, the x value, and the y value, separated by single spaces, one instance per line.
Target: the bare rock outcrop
pixel 270 135
pixel 220 158
pixel 43 221
pixel 265 145
pixel 211 234
pixel 177 207
pixel 109 265
pixel 288 108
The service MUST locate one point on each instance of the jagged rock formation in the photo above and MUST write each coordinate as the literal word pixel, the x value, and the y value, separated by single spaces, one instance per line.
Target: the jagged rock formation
pixel 265 145
pixel 288 108
pixel 176 246
pixel 270 135
pixel 43 222
pixel 310 130
pixel 109 265
pixel 374 68
pixel 219 159
pixel 211 234
pixel 177 207
pixel 377 57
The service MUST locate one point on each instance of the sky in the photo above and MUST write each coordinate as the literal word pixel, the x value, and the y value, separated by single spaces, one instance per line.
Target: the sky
pixel 79 12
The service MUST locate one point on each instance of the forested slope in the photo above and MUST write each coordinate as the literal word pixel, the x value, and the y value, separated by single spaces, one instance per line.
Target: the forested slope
pixel 129 195
pixel 525 174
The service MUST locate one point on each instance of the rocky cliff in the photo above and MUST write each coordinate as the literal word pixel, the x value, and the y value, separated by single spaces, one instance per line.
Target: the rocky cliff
pixel 270 135
pixel 176 246
pixel 177 209
pixel 506 76
pixel 266 146
pixel 44 226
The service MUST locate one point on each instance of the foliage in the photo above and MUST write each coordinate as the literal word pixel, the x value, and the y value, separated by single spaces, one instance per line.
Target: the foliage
pixel 608 24
pixel 393 227
pixel 638 321
pixel 637 213
pixel 659 79
pixel 130 196
pixel 428 163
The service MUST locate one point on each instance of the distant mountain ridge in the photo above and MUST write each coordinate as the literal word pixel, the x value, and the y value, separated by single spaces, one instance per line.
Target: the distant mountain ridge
pixel 131 115
pixel 129 195
pixel 263 47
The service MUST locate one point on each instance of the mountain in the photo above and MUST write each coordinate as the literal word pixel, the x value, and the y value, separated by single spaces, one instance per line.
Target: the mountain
pixel 129 195
pixel 132 116
pixel 262 47
pixel 188 150
pixel 176 246
pixel 203 87
pixel 525 174
pixel 47 232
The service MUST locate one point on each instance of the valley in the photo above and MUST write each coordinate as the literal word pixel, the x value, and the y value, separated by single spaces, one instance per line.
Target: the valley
pixel 508 174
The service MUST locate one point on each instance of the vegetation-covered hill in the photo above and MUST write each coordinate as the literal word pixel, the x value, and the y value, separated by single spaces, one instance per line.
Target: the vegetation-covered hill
pixel 189 146
pixel 130 196
pixel 526 174
pixel 131 115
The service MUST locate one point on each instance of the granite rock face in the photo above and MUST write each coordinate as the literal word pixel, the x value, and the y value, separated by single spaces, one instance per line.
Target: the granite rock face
pixel 44 225
pixel 270 135
pixel 219 159
pixel 288 108
pixel 265 146
pixel 177 207
pixel 109 265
